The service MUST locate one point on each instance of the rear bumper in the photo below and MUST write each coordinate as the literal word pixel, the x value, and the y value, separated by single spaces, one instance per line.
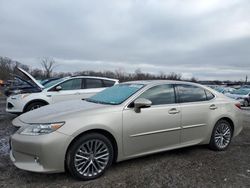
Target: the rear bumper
pixel 239 124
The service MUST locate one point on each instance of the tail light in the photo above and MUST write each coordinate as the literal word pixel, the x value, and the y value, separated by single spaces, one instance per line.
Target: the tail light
pixel 238 105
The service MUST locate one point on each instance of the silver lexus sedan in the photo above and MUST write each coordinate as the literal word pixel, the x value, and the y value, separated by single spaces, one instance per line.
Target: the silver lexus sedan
pixel 122 122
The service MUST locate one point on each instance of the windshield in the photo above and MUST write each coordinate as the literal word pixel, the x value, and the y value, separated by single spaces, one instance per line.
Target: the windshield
pixel 241 91
pixel 53 82
pixel 115 95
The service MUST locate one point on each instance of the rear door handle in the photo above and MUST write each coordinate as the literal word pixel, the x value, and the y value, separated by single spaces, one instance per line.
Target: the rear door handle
pixel 77 93
pixel 213 107
pixel 173 111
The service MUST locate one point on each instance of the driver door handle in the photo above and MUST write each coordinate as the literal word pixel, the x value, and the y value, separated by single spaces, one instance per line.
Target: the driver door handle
pixel 173 111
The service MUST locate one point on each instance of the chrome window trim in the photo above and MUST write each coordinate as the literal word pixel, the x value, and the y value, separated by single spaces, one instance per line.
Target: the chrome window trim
pixel 138 93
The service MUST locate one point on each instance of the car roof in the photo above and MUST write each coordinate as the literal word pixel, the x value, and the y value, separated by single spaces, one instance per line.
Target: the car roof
pixel 155 82
pixel 94 77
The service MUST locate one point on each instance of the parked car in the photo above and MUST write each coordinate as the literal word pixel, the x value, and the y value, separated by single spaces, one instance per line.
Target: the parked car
pixel 224 90
pixel 18 84
pixel 69 88
pixel 246 86
pixel 122 122
pixel 242 95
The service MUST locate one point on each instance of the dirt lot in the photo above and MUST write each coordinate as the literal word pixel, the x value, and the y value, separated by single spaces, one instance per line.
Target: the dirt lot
pixel 189 167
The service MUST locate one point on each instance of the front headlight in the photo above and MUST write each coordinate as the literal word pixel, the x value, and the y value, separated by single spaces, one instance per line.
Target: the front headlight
pixel 20 96
pixel 40 129
pixel 16 92
pixel 239 98
pixel 24 95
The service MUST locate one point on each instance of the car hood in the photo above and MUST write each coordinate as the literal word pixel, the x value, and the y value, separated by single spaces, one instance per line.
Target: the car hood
pixel 31 78
pixel 59 111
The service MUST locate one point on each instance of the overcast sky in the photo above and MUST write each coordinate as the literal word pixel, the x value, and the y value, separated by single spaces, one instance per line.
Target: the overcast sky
pixel 208 39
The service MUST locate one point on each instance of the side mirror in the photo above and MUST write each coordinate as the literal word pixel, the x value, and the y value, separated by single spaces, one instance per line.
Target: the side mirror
pixel 141 103
pixel 58 88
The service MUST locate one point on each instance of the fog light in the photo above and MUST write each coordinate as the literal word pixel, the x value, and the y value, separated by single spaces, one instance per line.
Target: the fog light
pixel 9 105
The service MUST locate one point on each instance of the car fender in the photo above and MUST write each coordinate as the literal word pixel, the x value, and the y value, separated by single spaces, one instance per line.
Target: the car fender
pixel 35 97
pixel 100 128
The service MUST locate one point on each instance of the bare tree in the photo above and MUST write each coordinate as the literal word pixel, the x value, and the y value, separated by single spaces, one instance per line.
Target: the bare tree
pixel 5 68
pixel 174 76
pixel 162 75
pixel 48 65
pixel 193 79
pixel 37 73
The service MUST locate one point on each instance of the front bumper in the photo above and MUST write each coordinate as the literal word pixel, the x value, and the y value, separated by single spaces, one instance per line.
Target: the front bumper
pixel 44 153
pixel 14 105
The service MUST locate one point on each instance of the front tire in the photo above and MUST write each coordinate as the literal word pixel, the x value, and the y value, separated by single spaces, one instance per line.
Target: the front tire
pixel 89 156
pixel 221 136
pixel 34 105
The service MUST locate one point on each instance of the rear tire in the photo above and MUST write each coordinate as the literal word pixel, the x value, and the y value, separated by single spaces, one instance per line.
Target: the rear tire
pixel 34 105
pixel 89 156
pixel 221 136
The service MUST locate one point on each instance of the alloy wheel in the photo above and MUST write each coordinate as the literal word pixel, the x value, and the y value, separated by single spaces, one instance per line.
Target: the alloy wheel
pixel 35 107
pixel 91 158
pixel 222 135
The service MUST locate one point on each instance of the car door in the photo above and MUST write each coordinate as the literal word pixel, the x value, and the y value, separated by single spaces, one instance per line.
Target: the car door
pixel 70 90
pixel 197 106
pixel 153 128
pixel 91 87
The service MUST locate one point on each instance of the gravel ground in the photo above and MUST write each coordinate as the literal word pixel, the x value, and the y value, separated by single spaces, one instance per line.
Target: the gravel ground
pixel 189 167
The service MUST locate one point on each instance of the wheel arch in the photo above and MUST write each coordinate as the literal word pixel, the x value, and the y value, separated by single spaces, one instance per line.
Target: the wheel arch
pixel 229 120
pixel 35 100
pixel 100 131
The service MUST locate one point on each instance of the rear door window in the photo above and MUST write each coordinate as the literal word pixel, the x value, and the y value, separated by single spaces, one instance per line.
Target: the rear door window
pixel 190 93
pixel 108 83
pixel 93 83
pixel 72 84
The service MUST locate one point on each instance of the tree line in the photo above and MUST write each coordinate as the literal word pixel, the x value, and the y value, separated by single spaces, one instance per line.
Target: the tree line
pixel 8 69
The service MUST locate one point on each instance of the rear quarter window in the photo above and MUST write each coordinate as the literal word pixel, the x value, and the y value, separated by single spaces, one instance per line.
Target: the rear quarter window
pixel 210 95
pixel 108 83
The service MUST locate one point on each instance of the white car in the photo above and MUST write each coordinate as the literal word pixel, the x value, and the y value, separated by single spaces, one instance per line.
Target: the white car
pixel 69 88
